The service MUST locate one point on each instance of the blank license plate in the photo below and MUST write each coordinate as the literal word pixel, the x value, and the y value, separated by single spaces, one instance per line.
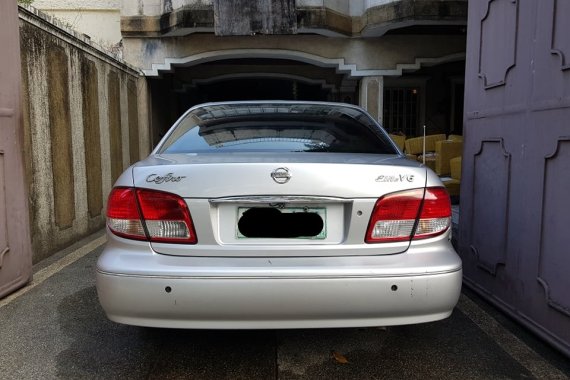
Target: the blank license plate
pixel 282 223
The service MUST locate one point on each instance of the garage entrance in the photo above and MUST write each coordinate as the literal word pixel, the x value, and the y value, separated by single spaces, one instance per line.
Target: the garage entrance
pixel 243 79
pixel 429 94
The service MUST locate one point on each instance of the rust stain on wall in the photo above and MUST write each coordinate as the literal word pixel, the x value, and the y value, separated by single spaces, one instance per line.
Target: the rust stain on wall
pixel 245 17
pixel 60 135
pixel 115 135
pixel 133 117
pixel 32 47
pixel 92 137
pixel 25 99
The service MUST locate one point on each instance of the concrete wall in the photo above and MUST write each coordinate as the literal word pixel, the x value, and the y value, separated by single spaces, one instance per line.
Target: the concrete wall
pixel 84 122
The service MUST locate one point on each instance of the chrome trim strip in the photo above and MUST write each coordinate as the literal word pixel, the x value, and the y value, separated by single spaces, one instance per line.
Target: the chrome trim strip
pixel 278 199
pixel 282 277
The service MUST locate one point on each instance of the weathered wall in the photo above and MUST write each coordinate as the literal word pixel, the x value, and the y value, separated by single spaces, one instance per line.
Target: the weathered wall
pixel 244 17
pixel 355 18
pixel 85 121
pixel 158 7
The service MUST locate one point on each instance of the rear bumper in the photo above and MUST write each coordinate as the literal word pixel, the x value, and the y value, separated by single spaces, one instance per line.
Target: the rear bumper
pixel 187 292
pixel 262 303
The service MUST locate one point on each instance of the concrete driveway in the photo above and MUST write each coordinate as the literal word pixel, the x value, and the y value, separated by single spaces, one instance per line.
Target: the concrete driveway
pixel 55 328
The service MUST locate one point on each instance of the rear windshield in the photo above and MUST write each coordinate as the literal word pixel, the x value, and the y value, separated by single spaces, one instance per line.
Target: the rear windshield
pixel 277 128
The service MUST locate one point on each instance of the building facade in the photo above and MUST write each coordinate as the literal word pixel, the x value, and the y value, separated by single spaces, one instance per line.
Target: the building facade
pixel 401 60
pixel 98 19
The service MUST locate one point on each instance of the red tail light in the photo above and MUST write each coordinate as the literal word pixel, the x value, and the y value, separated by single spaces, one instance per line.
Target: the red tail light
pixel 394 216
pixel 123 217
pixel 166 216
pixel 149 215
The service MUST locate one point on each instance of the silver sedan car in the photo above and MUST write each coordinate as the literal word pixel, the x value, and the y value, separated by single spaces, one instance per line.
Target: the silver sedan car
pixel 276 214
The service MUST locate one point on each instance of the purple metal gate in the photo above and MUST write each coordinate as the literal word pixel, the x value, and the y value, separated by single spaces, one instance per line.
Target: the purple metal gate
pixel 515 191
pixel 15 249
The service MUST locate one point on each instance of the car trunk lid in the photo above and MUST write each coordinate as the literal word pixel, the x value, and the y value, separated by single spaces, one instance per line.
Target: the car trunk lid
pixel 327 175
pixel 279 205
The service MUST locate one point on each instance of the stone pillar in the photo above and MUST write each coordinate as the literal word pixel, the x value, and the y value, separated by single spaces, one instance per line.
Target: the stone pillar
pixel 372 96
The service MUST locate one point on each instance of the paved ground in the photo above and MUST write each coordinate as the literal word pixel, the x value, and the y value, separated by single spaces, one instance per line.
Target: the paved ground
pixel 55 328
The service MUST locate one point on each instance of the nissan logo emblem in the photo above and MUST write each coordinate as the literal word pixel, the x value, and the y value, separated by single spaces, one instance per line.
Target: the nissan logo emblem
pixel 281 175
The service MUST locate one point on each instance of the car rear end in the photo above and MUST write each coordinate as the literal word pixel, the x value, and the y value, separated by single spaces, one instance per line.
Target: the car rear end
pixel 277 215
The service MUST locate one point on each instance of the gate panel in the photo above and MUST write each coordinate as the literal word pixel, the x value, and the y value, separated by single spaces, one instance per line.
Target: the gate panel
pixel 491 178
pixel 15 251
pixel 515 209
pixel 551 79
pixel 555 239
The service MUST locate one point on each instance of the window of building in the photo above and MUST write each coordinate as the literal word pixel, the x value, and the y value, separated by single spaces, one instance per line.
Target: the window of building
pixel 401 110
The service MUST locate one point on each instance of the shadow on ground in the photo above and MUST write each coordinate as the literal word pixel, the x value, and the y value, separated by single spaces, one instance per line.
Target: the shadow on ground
pixel 453 348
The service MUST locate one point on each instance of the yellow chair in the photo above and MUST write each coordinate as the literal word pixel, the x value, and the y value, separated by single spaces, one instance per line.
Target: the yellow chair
pixel 416 145
pixel 400 140
pixel 444 151
pixel 453 184
pixel 455 138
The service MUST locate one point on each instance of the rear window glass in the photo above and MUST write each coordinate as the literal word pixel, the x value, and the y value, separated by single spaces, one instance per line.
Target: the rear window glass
pixel 277 128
